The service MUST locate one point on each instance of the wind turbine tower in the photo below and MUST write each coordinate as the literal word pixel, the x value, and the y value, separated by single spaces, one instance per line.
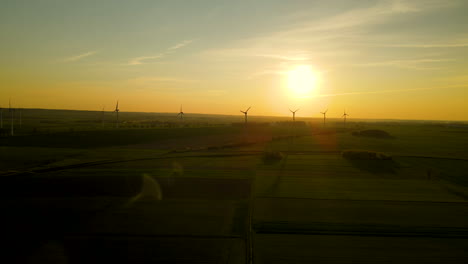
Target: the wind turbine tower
pixel 181 114
pixel 294 114
pixel 344 117
pixel 20 110
pixel 117 113
pixel 324 114
pixel 245 113
pixel 12 115
pixel 102 116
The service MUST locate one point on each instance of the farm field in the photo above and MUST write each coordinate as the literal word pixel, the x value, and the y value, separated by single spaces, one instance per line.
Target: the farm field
pixel 210 194
pixel 293 248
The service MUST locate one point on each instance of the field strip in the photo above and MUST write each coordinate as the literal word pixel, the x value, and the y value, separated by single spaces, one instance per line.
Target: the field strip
pixel 161 157
pixel 171 156
pixel 381 230
pixel 362 200
pixel 124 235
pixel 429 157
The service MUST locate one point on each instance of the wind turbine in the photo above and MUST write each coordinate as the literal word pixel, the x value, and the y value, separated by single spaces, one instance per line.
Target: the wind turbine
pixel 20 110
pixel 324 114
pixel 344 116
pixel 117 112
pixel 245 113
pixel 102 116
pixel 294 113
pixel 181 113
pixel 12 114
pixel 1 117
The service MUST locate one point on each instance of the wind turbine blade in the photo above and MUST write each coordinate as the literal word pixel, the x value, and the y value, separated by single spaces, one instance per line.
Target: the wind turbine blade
pixel 248 109
pixel 291 110
pixel 296 110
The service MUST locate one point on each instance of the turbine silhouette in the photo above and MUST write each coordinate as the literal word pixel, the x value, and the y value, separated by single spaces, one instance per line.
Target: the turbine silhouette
pixel 102 116
pixel 117 110
pixel 20 110
pixel 1 117
pixel 245 113
pixel 294 113
pixel 344 117
pixel 324 114
pixel 181 113
pixel 12 116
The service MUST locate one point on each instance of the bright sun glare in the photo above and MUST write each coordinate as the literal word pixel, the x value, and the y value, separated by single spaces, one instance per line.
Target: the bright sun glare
pixel 302 82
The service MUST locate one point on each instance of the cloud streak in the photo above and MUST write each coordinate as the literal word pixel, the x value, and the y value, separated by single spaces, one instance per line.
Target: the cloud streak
pixel 415 64
pixel 170 50
pixel 339 39
pixel 139 60
pixel 348 27
pixel 80 56
pixel 180 45
pixel 395 90
pixel 441 45
pixel 155 80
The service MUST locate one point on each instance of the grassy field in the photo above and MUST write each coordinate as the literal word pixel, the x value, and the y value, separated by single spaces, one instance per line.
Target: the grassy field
pixel 202 191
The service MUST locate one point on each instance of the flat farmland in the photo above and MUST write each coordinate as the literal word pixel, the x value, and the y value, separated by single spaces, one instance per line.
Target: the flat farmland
pixel 316 206
pixel 211 197
pixel 285 248
pixel 87 212
pixel 333 177
pixel 285 215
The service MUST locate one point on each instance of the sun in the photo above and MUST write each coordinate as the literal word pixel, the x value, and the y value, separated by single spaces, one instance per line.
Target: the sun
pixel 302 82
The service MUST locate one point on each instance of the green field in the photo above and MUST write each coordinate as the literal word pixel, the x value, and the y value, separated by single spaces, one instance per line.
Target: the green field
pixel 202 192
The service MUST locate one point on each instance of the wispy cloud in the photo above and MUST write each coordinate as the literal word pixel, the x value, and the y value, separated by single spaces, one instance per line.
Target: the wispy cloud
pixel 349 37
pixel 381 12
pixel 396 90
pixel 180 45
pixel 416 64
pixel 157 80
pixel 338 39
pixel 345 24
pixel 441 45
pixel 80 56
pixel 139 60
pixel 302 57
pixel 170 50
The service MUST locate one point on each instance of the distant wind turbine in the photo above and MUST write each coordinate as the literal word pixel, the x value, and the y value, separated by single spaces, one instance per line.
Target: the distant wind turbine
pixel 324 114
pixel 245 113
pixel 181 113
pixel 344 117
pixel 1 117
pixel 294 113
pixel 12 114
pixel 117 110
pixel 20 110
pixel 102 116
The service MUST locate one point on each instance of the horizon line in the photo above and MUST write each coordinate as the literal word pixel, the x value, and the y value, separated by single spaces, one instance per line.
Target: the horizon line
pixel 307 117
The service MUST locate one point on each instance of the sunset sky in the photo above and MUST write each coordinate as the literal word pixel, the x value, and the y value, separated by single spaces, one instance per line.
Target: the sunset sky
pixel 376 59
